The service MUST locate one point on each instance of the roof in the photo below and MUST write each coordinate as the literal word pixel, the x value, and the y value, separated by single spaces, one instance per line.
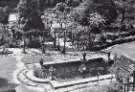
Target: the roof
pixel 57 25
pixel 127 50
pixel 125 56
pixel 13 17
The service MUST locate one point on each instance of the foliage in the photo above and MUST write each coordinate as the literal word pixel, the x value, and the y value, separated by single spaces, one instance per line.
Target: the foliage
pixel 30 18
pixel 101 16
pixel 61 7
pixel 96 20
pixel 79 13
pixel 105 8
pixel 4 13
pixel 30 15
pixel 10 3
pixel 5 36
pixel 114 87
pixel 38 73
pixel 87 35
pixel 73 3
pixel 126 11
pixel 86 32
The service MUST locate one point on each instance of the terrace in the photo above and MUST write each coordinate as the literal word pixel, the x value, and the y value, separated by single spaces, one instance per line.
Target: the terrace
pixel 65 71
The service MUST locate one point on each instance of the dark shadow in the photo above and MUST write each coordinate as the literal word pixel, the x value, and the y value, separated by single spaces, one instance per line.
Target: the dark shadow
pixel 3 82
pixel 13 90
pixel 5 86
pixel 7 52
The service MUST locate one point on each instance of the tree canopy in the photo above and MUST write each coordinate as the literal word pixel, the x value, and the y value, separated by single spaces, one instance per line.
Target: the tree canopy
pixel 105 8
pixel 4 13
pixel 126 10
pixel 30 14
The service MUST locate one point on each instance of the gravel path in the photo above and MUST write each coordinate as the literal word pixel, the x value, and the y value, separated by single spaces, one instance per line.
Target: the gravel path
pixel 16 75
pixel 7 67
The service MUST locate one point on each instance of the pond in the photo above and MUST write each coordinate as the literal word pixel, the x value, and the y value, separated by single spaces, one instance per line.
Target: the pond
pixel 74 69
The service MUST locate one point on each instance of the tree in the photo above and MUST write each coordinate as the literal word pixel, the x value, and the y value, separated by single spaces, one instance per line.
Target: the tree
pixel 95 20
pixel 88 33
pixel 126 12
pixel 79 13
pixel 10 3
pixel 62 10
pixel 105 8
pixel 73 3
pixel 30 17
pixel 61 7
pixel 96 15
pixel 4 14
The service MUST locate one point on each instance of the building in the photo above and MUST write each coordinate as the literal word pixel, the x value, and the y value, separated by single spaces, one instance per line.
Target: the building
pixel 12 19
pixel 124 67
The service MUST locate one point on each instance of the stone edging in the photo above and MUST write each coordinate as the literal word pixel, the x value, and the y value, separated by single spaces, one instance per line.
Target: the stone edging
pixel 57 85
pixel 30 75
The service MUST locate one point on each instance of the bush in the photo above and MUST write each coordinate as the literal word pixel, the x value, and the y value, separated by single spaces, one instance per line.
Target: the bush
pixel 34 43
pixel 38 72
pixel 41 73
pixel 113 90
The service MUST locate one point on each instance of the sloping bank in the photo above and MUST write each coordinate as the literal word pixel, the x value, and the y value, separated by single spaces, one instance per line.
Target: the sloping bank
pixel 115 42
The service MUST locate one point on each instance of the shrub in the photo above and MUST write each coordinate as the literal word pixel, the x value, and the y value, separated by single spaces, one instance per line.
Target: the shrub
pixel 38 72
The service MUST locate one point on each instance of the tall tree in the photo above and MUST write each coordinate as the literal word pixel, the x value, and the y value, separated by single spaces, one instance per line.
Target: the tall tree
pixel 106 8
pixel 62 10
pixel 30 17
pixel 4 14
pixel 126 12
pixel 96 22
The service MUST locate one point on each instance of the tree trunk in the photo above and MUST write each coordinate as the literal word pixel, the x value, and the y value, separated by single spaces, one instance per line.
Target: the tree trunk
pixel 89 38
pixel 64 48
pixel 43 44
pixel 54 43
pixel 123 16
pixel 24 44
pixel 89 44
